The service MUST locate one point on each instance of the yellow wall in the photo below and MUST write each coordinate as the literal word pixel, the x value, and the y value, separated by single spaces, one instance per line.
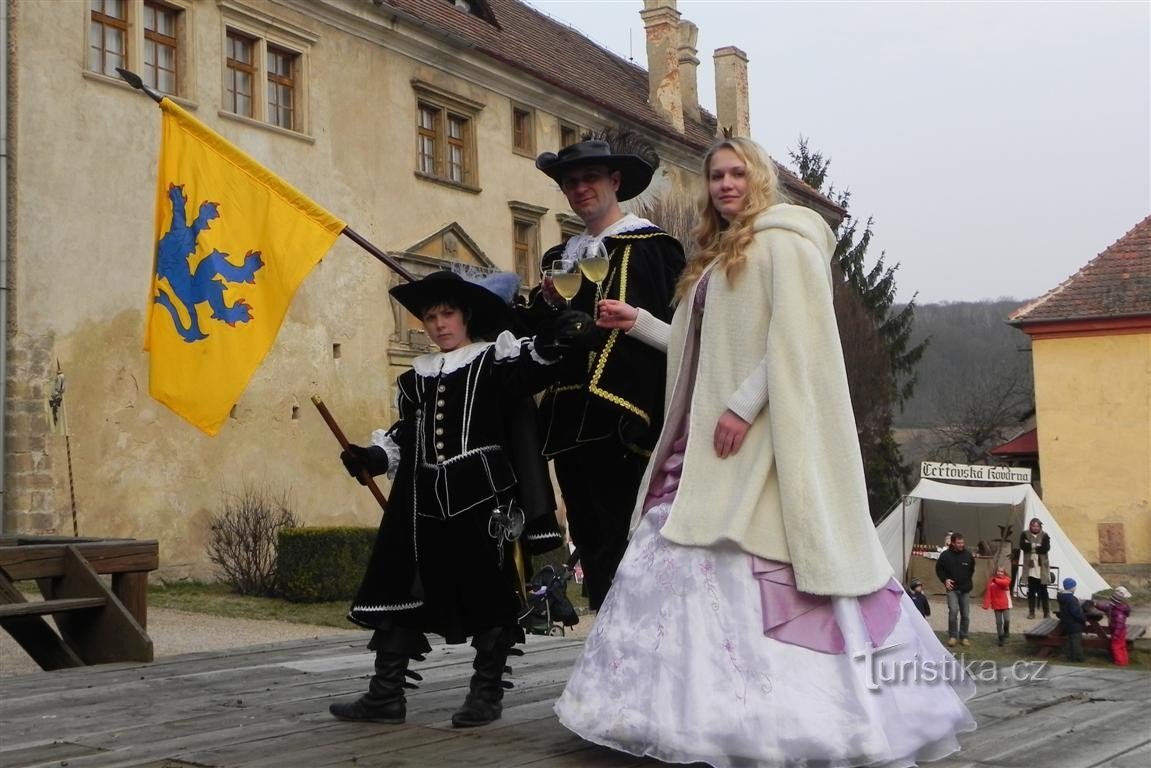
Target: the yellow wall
pixel 1093 403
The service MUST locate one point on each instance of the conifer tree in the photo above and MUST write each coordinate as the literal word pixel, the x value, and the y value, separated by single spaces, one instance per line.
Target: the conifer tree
pixel 879 355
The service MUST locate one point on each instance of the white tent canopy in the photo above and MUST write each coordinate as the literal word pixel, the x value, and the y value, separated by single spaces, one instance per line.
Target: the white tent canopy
pixel 980 513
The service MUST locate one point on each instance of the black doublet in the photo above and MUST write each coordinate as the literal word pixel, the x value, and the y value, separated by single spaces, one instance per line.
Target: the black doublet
pixel 617 390
pixel 604 414
pixel 435 567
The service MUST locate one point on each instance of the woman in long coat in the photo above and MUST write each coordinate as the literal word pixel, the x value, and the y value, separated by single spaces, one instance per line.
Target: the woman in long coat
pixel 754 619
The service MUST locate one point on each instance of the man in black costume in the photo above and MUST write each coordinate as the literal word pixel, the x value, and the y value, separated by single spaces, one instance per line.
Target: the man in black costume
pixel 604 413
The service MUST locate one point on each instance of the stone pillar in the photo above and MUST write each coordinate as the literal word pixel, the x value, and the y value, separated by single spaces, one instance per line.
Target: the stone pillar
pixel 661 23
pixel 688 63
pixel 732 109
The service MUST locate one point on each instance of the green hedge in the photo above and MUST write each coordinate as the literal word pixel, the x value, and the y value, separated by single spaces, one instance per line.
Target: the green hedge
pixel 322 564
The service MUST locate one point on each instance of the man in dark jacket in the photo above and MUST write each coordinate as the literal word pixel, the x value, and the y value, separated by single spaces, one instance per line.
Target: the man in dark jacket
pixel 604 413
pixel 956 568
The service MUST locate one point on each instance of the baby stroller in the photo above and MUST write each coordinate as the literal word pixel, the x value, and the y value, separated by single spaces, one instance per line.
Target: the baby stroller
pixel 548 610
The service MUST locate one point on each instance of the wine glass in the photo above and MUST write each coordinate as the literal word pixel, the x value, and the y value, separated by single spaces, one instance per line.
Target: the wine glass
pixel 566 279
pixel 594 265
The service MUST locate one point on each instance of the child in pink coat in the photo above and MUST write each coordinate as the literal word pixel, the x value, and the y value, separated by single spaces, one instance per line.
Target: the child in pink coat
pixel 1118 609
pixel 998 598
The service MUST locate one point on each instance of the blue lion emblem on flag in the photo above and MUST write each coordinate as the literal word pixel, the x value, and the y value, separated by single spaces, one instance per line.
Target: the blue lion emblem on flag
pixel 209 280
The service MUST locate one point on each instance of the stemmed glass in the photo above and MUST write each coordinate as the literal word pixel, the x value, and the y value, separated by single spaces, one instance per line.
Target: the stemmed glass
pixel 594 265
pixel 565 279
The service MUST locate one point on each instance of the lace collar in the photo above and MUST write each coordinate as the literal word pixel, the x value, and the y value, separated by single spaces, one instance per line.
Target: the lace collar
pixel 577 245
pixel 437 363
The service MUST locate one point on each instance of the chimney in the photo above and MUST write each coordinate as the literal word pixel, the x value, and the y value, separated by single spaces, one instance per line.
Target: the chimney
pixel 733 114
pixel 688 34
pixel 661 23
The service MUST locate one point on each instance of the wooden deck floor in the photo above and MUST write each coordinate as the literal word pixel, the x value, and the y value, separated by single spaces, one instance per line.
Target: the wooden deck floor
pixel 267 706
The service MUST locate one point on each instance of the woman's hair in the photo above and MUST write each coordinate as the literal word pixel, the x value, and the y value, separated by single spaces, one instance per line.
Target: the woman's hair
pixel 722 241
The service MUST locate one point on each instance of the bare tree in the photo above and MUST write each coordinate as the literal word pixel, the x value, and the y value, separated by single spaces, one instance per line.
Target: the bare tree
pixel 981 415
pixel 244 537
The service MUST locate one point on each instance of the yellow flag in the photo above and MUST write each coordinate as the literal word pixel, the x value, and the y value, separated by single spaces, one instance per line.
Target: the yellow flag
pixel 233 243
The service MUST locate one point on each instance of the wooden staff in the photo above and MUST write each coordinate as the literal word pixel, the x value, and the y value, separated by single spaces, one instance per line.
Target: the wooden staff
pixel 367 479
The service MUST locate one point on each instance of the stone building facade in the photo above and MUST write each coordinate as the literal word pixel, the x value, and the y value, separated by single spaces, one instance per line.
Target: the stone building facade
pixel 416 121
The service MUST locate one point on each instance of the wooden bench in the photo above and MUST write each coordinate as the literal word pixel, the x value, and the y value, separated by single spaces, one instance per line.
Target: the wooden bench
pixel 1047 637
pixel 97 624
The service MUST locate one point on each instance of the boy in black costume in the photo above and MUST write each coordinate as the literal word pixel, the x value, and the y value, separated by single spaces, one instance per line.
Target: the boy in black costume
pixel 443 561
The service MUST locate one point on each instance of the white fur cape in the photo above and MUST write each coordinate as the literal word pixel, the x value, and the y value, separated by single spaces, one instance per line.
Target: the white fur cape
pixel 770 352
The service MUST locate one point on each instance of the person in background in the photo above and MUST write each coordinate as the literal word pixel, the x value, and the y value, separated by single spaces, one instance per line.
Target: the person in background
pixel 956 569
pixel 1118 609
pixel 1072 620
pixel 734 631
pixel 1034 544
pixel 997 597
pixel 919 597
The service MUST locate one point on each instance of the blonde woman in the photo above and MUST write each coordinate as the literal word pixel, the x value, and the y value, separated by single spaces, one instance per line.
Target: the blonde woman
pixel 754 614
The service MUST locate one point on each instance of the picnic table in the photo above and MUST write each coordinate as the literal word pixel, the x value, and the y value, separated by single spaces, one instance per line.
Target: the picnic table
pixel 96 623
pixel 1047 636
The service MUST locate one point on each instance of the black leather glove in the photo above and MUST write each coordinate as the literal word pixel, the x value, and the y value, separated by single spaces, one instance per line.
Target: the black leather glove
pixel 373 458
pixel 570 329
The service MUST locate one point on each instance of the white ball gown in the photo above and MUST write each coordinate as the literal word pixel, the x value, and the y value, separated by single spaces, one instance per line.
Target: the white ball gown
pixel 678 667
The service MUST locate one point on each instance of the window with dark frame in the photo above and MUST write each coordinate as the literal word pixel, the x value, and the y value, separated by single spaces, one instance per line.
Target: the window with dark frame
pixel 282 87
pixel 523 138
pixel 428 128
pixel 241 74
pixel 160 46
pixel 443 140
pixel 525 239
pixel 108 36
pixel 569 135
pixel 457 149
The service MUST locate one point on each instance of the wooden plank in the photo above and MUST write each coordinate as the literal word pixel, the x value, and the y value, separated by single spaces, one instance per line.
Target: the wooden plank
pixel 48 607
pixel 34 634
pixel 1017 742
pixel 266 707
pixel 98 637
pixel 36 561
pixel 1138 757
pixel 132 590
pixel 56 753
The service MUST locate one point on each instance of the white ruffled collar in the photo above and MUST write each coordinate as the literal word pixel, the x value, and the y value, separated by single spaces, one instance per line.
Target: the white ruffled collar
pixel 577 246
pixel 437 363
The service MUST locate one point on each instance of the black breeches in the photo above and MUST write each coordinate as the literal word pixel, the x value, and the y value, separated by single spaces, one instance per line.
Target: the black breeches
pixel 599 482
pixel 1037 596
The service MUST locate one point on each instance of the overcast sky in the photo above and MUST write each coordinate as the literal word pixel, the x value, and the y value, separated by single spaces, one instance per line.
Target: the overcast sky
pixel 999 146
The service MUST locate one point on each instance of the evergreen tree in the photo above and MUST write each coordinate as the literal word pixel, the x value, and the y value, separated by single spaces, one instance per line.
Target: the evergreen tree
pixel 878 352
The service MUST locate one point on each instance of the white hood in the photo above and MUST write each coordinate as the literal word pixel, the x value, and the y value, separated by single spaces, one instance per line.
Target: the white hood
pixel 803 221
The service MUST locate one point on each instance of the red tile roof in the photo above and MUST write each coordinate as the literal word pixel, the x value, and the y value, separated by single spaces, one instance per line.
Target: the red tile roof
pixel 1025 444
pixel 525 39
pixel 1116 283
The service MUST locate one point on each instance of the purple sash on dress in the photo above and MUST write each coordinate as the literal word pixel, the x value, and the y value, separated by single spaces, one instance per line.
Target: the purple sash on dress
pixel 797 618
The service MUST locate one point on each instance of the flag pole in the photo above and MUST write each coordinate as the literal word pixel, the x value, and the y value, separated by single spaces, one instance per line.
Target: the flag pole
pixel 365 478
pixel 134 80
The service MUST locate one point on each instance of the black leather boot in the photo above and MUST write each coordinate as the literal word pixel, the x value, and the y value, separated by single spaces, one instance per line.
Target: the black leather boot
pixel 484 702
pixel 384 701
